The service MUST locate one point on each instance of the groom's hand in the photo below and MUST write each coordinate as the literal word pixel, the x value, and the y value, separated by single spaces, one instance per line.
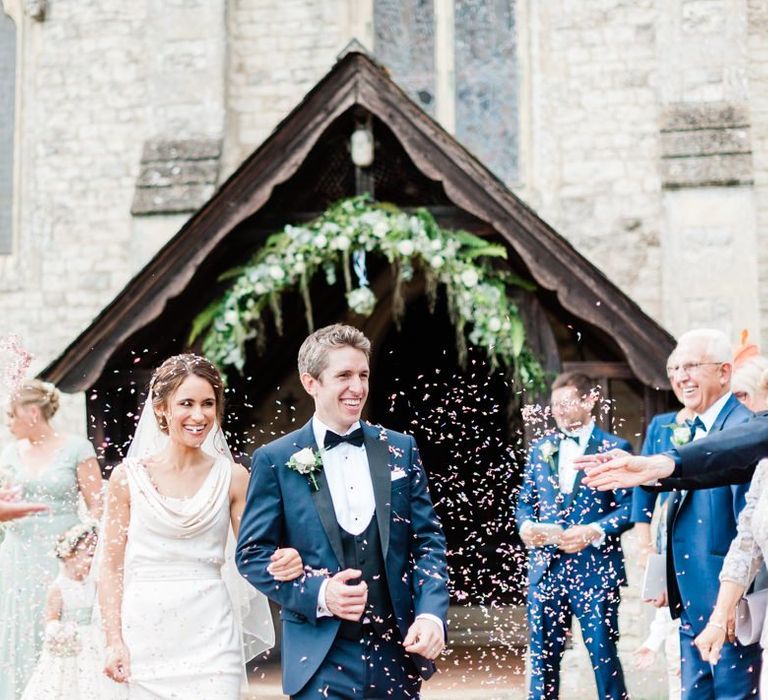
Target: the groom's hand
pixel 346 600
pixel 424 638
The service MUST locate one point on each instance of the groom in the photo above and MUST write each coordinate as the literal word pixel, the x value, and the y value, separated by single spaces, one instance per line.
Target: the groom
pixel 368 618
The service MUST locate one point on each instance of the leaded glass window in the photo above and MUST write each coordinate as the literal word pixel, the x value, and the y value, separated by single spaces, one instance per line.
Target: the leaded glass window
pixel 404 36
pixel 482 68
pixel 486 82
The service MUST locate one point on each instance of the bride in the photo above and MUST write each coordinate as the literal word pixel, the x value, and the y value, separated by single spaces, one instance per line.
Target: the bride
pixel 171 611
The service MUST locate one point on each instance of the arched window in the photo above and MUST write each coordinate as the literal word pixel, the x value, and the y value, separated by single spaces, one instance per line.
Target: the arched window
pixel 458 61
pixel 7 124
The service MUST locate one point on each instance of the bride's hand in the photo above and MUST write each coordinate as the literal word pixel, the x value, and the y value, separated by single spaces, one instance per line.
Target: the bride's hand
pixel 118 663
pixel 286 564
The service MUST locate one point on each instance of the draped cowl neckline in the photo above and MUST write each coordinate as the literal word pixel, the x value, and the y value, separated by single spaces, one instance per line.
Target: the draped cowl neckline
pixel 188 516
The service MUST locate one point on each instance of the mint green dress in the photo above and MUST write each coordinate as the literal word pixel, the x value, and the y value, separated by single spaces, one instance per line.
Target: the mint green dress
pixel 27 563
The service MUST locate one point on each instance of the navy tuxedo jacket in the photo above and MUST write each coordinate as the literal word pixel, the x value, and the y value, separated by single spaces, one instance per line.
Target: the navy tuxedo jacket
pixel 700 527
pixel 284 510
pixel 541 500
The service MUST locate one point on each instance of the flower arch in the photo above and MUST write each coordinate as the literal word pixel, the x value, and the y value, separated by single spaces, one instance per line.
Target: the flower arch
pixel 339 240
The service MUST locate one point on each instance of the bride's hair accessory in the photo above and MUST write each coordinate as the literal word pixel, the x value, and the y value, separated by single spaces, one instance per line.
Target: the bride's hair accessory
pixel 170 375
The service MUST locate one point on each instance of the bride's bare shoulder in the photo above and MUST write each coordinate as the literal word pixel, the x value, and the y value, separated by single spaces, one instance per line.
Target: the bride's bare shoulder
pixel 240 475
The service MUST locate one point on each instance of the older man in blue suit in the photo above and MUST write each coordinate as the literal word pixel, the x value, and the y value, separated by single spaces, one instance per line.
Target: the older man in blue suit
pixel 368 619
pixel 702 523
pixel 577 571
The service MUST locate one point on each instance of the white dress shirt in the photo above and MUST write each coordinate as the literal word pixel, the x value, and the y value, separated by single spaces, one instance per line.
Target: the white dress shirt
pixel 349 480
pixel 348 476
pixel 569 450
pixel 710 416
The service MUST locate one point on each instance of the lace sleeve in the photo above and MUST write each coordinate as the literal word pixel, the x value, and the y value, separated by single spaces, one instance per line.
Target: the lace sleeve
pixel 744 556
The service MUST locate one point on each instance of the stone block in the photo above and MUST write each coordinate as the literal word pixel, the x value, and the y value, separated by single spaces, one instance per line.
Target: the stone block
pixel 698 171
pixel 680 116
pixel 700 142
pixel 174 199
pixel 166 174
pixel 187 149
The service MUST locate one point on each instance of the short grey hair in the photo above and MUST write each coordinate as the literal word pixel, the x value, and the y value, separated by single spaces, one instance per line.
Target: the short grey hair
pixel 313 353
pixel 716 345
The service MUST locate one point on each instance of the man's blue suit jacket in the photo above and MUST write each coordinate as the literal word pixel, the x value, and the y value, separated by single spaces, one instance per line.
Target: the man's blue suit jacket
pixel 658 439
pixel 284 510
pixel 540 500
pixel 699 532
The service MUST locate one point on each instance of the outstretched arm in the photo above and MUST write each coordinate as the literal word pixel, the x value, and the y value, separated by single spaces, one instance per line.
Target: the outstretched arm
pixel 11 509
pixel 726 457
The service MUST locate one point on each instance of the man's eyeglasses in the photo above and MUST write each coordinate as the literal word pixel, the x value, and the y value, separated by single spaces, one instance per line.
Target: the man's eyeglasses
pixel 688 367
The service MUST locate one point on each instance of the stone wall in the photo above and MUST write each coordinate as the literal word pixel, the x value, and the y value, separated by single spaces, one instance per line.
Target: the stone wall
pixel 637 146
pixel 83 106
pixel 278 50
pixel 590 142
pixel 757 28
pixel 99 80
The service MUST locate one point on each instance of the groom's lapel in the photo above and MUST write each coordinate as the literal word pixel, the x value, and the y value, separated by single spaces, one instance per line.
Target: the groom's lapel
pixel 322 497
pixel 378 465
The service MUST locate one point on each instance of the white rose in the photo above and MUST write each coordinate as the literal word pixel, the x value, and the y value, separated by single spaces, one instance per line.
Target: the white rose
pixel 548 450
pixel 436 244
pixel 276 272
pixel 469 278
pixel 299 268
pixel 341 243
pixel 231 317
pixel 437 261
pixel 320 241
pixel 260 288
pixel 494 325
pixel 406 248
pixel 305 457
pixel 681 434
pixel 380 229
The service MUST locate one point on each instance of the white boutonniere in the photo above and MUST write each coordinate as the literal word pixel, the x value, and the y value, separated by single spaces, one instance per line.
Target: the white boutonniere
pixel 307 462
pixel 681 433
pixel 548 451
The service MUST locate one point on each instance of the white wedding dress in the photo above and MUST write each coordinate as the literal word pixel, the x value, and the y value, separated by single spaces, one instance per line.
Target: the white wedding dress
pixel 178 619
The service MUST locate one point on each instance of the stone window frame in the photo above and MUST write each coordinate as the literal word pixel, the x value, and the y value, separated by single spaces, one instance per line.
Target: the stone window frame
pixel 9 261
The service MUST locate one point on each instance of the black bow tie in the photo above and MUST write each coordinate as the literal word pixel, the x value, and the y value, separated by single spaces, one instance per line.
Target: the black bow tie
pixel 332 439
pixel 694 425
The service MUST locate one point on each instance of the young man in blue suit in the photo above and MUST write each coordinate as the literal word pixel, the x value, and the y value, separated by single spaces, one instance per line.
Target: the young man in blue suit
pixel 368 619
pixel 702 523
pixel 578 571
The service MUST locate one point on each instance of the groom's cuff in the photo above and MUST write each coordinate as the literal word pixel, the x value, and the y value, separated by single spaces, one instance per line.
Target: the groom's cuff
pixel 436 620
pixel 322 608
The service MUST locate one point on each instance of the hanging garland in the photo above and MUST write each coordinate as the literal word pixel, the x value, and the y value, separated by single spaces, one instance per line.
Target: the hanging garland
pixel 340 239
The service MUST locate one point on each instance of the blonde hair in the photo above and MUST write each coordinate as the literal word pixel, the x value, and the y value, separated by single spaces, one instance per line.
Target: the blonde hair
pixel 751 377
pixel 34 392
pixel 313 353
